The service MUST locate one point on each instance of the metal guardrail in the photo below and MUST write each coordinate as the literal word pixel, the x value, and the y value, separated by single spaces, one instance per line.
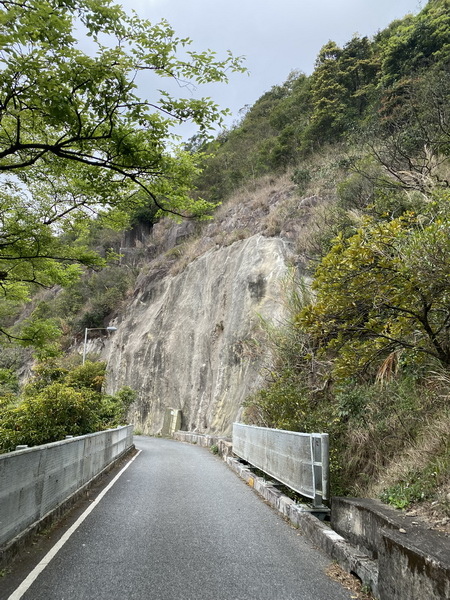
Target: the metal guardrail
pixel 298 460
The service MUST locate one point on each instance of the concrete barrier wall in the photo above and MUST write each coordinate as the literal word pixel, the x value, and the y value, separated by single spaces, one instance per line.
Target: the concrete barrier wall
pixel 415 566
pixel 224 445
pixel 35 481
pixel 206 441
pixel 413 560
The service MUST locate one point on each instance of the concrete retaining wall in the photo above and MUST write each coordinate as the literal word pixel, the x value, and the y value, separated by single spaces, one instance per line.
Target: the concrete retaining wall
pixel 413 561
pixel 362 521
pixel 415 565
pixel 36 481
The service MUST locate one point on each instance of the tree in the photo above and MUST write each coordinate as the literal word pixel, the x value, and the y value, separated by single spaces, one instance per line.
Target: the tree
pixel 415 43
pixel 386 289
pixel 342 85
pixel 76 140
pixel 328 95
pixel 359 72
pixel 290 118
pixel 60 401
pixel 410 135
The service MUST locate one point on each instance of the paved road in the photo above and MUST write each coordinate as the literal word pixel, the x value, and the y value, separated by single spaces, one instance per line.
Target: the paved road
pixel 178 524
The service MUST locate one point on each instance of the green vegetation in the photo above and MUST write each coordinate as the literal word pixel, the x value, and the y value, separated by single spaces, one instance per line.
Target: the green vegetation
pixel 390 92
pixel 365 351
pixel 364 144
pixel 77 143
pixel 82 156
pixel 58 401
pixel 384 290
pixel 388 426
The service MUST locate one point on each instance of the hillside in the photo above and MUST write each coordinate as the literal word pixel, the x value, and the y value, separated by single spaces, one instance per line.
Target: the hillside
pixel 318 295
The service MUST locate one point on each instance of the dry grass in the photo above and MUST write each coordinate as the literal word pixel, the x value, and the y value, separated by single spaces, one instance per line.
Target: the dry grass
pixel 246 213
pixel 270 205
pixel 417 455
pixel 388 369
pixel 349 582
pixel 255 193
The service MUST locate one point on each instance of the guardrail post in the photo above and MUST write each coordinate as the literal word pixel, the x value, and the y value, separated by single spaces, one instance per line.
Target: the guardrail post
pixel 319 463
pixel 325 466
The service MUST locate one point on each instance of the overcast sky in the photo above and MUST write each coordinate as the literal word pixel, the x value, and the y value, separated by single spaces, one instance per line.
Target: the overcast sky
pixel 275 36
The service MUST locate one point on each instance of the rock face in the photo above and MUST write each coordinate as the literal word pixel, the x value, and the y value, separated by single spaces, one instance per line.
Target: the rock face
pixel 183 341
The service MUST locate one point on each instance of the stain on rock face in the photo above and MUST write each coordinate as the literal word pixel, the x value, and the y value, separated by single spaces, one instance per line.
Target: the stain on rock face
pixel 236 354
pixel 257 288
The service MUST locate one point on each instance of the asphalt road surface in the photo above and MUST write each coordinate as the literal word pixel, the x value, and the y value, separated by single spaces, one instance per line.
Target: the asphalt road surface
pixel 178 524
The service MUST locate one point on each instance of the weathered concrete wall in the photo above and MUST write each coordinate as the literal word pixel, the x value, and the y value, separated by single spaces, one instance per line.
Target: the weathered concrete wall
pixel 362 520
pixel 224 445
pixel 413 562
pixel 35 481
pixel 183 341
pixel 414 566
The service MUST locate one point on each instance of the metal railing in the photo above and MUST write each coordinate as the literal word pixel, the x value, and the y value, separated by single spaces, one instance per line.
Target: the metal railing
pixel 298 460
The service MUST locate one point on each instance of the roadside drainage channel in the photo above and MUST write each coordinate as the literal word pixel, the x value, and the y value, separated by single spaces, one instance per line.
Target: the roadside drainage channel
pixel 391 554
pixel 301 516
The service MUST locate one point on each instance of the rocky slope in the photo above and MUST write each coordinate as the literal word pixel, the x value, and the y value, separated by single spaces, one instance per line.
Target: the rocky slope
pixel 183 341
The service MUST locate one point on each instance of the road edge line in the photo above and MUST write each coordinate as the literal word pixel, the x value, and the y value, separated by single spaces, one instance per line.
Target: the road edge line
pixel 34 574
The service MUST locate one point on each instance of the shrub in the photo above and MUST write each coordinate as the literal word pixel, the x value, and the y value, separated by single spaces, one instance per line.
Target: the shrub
pixel 301 178
pixel 61 401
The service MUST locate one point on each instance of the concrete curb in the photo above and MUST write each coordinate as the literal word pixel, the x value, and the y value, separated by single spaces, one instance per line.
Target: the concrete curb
pixel 321 535
pixel 413 560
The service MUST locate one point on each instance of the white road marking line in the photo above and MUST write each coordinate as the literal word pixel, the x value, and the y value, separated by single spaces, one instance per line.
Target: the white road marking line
pixel 34 574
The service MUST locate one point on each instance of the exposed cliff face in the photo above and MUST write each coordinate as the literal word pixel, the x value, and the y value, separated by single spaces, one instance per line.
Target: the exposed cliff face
pixel 181 343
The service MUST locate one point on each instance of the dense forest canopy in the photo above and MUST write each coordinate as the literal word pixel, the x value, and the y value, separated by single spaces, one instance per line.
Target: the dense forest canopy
pixel 369 88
